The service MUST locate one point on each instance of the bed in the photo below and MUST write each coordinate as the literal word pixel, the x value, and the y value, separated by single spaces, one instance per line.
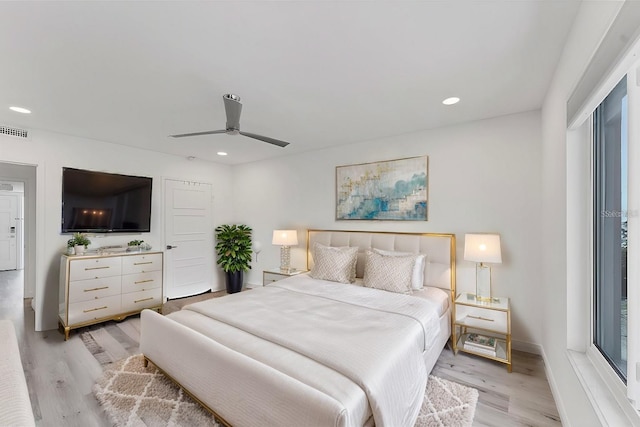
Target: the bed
pixel 320 348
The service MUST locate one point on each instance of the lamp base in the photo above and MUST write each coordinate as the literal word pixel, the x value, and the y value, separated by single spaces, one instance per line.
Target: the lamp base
pixel 285 258
pixel 483 282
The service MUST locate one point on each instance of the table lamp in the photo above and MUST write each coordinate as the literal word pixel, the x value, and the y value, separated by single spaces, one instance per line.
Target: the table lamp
pixel 482 248
pixel 285 239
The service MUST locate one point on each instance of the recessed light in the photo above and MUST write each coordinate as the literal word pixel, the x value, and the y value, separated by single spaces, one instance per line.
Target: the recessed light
pixel 451 101
pixel 221 153
pixel 20 110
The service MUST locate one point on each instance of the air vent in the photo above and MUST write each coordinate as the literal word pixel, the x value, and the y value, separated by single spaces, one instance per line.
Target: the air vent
pixel 6 187
pixel 18 133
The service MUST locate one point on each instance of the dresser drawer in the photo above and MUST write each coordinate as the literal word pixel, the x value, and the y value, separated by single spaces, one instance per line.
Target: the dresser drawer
pixel 271 277
pixel 93 268
pixel 141 281
pixel 141 263
pixel 490 320
pixel 83 290
pixel 136 301
pixel 88 311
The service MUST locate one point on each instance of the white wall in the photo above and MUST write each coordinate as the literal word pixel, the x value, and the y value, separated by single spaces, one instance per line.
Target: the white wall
pixel 51 151
pixel 592 22
pixel 483 177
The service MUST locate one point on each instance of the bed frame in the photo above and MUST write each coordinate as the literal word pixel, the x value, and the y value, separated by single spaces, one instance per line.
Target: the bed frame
pixel 217 361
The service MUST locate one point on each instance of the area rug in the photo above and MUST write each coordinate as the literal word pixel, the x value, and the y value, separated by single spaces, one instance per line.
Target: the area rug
pixel 133 395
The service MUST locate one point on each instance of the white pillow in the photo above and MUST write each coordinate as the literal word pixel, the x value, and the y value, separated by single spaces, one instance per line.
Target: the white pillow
pixel 417 277
pixel 438 274
pixel 389 272
pixel 334 264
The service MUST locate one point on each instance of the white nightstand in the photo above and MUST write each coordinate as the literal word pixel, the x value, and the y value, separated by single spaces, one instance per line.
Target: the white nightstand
pixel 275 274
pixel 488 318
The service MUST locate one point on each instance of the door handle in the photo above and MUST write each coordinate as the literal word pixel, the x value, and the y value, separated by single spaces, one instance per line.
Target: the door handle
pixel 171 247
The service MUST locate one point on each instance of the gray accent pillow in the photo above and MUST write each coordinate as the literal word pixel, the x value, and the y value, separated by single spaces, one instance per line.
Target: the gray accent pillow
pixel 336 264
pixel 388 272
pixel 417 279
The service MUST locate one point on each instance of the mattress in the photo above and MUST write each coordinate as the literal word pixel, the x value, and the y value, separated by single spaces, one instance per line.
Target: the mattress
pixel 291 326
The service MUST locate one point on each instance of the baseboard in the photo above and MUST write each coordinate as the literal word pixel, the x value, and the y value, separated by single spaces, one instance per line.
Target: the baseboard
pixel 527 347
pixel 555 392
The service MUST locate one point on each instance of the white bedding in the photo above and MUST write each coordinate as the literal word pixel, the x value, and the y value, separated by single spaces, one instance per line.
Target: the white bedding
pixel 374 338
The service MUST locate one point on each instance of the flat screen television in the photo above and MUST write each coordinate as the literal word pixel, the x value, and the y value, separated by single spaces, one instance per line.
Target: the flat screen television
pixel 100 202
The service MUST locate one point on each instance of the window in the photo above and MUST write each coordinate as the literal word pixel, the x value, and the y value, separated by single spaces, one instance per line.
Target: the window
pixel 610 229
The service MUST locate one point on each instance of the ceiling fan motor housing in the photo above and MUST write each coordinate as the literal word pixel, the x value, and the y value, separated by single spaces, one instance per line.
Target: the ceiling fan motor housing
pixel 233 108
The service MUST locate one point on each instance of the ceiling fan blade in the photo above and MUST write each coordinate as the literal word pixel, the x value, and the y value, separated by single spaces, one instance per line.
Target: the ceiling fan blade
pixel 233 107
pixel 265 139
pixel 208 132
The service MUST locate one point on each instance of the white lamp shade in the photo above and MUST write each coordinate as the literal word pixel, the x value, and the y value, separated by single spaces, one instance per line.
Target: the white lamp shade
pixel 285 237
pixel 482 248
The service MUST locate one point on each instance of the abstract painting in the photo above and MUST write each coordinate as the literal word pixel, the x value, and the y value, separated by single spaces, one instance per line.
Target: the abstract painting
pixel 388 190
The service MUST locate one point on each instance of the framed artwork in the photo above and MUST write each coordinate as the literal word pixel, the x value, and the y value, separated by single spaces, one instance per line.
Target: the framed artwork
pixel 388 190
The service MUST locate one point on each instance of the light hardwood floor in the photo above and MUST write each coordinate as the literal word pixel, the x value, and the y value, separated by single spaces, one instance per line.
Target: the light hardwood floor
pixel 60 375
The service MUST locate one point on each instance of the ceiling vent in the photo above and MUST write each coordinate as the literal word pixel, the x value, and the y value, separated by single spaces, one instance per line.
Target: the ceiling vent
pixel 10 131
pixel 6 187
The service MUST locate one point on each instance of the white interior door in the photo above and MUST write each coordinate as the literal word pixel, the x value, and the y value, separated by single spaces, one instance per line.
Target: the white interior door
pixel 9 232
pixel 188 238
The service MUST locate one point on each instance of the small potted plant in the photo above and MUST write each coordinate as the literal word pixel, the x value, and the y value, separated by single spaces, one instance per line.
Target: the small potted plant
pixel 135 245
pixel 233 247
pixel 71 243
pixel 80 242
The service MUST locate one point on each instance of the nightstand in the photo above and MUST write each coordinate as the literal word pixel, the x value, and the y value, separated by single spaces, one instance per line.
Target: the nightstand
pixel 487 319
pixel 275 274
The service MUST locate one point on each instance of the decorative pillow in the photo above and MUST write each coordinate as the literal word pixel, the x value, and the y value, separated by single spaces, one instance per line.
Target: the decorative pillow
pixel 417 277
pixel 334 264
pixel 389 273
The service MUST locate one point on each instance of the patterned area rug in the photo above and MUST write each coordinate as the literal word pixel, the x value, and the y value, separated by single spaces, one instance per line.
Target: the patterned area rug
pixel 133 395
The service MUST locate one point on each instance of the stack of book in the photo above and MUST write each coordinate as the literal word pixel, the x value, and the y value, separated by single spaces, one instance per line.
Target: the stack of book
pixel 480 344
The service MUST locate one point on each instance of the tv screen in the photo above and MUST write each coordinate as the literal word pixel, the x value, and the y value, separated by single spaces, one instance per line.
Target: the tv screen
pixel 102 202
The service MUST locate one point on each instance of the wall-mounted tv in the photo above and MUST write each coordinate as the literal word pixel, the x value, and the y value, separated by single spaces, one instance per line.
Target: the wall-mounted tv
pixel 100 202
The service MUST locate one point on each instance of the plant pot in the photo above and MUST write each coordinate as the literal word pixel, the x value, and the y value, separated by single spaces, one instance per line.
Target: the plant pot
pixel 234 282
pixel 80 249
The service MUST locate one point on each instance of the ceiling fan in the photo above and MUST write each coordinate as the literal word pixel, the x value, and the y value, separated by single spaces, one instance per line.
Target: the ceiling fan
pixel 233 108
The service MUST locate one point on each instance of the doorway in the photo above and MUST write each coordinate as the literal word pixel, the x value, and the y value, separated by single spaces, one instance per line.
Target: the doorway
pixel 18 227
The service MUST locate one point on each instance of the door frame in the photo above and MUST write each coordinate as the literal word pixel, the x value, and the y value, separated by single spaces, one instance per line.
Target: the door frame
pixel 30 175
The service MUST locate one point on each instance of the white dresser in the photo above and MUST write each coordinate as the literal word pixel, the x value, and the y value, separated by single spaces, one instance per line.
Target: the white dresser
pixel 97 288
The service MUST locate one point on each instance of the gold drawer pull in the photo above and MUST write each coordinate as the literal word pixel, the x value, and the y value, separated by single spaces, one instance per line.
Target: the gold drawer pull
pixel 140 263
pixel 480 318
pixel 95 268
pixel 94 309
pixel 140 300
pixel 96 289
pixel 142 281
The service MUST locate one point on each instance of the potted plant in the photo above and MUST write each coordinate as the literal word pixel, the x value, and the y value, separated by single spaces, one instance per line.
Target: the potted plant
pixel 135 245
pixel 233 247
pixel 80 242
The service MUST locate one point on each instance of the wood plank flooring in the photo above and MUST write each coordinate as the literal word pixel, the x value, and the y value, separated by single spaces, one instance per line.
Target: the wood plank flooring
pixel 60 374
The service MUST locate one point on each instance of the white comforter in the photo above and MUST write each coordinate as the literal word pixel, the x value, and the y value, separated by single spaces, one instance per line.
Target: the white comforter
pixel 375 338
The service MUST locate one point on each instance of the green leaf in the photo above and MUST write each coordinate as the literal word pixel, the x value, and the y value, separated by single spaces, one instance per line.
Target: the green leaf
pixel 233 247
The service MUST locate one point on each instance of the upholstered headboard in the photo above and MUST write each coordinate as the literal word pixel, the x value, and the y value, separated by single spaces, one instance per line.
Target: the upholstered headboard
pixel 439 248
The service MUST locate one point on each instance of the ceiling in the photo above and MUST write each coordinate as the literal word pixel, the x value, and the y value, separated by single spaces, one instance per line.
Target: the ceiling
pixel 314 73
